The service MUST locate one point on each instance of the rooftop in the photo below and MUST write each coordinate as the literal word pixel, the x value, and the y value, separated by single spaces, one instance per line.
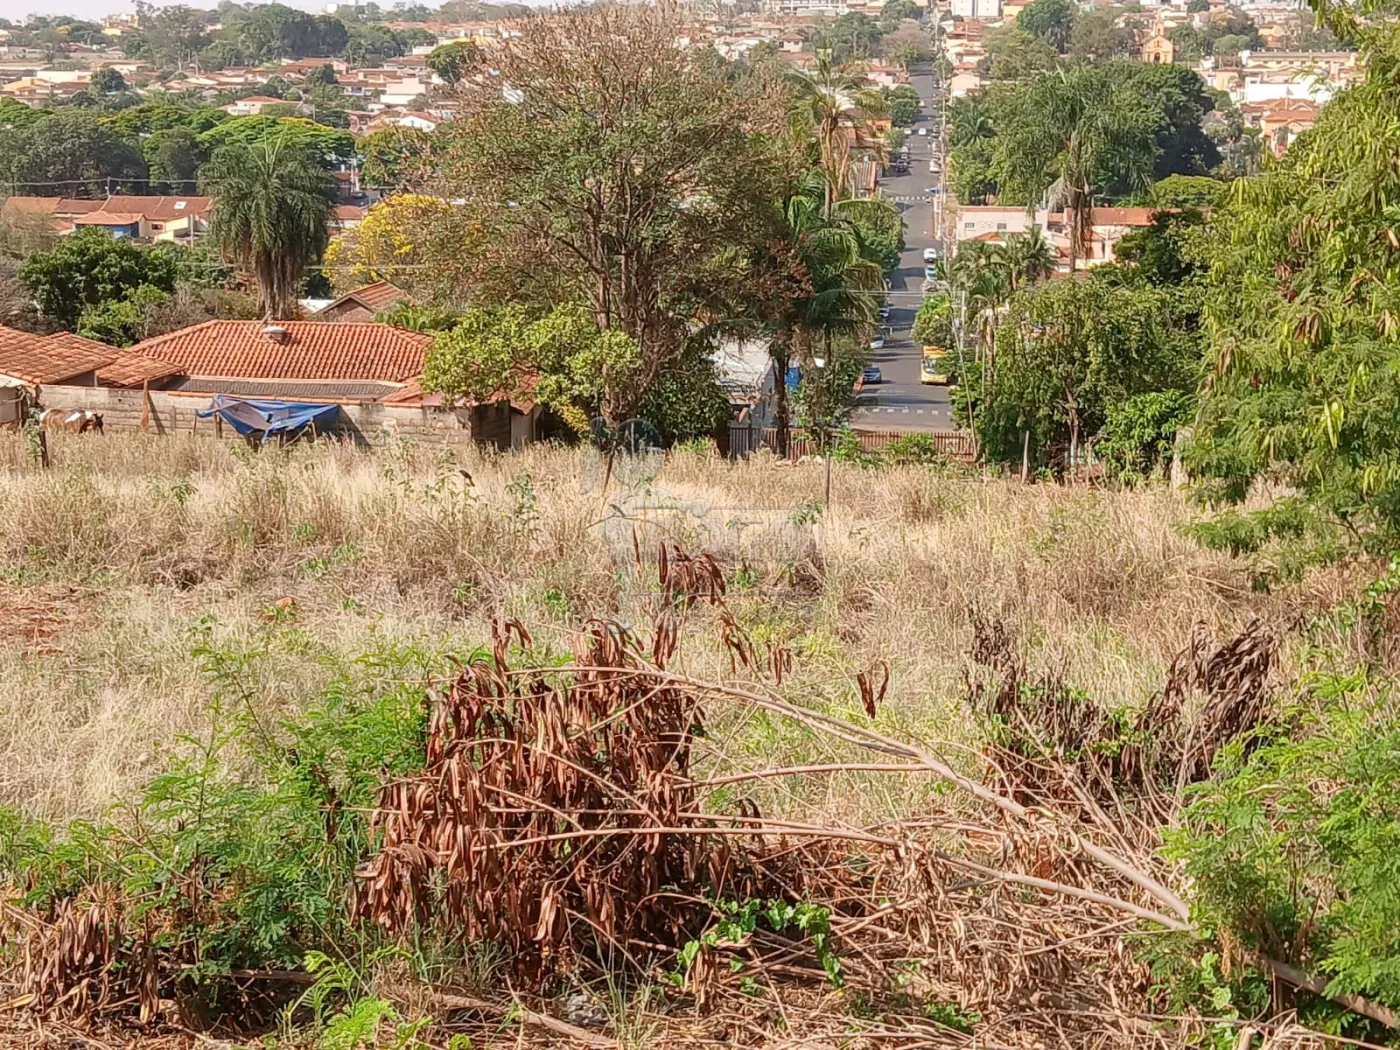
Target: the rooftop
pixel 37 359
pixel 296 350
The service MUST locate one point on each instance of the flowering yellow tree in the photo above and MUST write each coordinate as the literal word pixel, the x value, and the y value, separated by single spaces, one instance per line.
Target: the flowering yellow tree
pixel 420 243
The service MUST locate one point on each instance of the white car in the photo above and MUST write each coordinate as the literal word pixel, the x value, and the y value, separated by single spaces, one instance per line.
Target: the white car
pixel 930 255
pixel 923 131
pixel 878 343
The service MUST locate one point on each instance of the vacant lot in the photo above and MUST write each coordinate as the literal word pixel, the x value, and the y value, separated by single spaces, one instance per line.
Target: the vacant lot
pixel 137 573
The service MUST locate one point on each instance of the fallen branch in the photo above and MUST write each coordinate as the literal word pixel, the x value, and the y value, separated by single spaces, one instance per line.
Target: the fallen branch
pixel 447 1000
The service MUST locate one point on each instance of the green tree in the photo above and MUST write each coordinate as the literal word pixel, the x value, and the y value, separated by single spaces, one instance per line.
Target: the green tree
pixel 398 158
pixel 174 158
pixel 108 81
pixel 902 104
pixel 1067 137
pixel 1050 20
pixel 68 153
pixel 1066 352
pixel 454 61
pixel 1097 38
pixel 652 227
pixel 1305 374
pixel 327 145
pixel 91 268
pixel 833 301
pixel 271 202
pixel 1187 191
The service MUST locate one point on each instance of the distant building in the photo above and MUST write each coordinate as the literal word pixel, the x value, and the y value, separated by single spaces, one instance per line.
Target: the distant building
pixel 981 9
pixel 1159 49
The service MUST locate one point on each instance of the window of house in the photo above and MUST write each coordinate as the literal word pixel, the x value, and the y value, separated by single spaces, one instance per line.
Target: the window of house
pixel 1001 226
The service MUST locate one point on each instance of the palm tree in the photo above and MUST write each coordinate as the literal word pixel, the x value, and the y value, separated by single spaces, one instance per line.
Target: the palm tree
pixel 271 202
pixel 837 108
pixel 840 287
pixel 1027 258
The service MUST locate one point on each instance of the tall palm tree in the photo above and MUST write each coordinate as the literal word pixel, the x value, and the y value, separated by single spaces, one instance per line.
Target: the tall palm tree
pixel 837 107
pixel 271 203
pixel 840 287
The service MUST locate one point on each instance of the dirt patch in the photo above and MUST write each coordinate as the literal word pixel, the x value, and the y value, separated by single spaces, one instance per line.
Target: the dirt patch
pixel 40 618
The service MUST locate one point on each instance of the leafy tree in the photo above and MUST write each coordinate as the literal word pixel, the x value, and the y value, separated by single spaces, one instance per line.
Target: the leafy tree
pixel 327 145
pixel 399 158
pixel 152 117
pixel 1187 191
pixel 1163 253
pixel 271 202
pixel 652 227
pixel 902 104
pixel 1097 38
pixel 121 322
pixel 1050 20
pixel 852 36
pixel 1139 433
pixel 1067 352
pixel 1067 137
pixel 1014 54
pixel 896 11
pixel 574 366
pixel 454 61
pixel 422 244
pixel 933 324
pixel 1305 375
pixel 1196 7
pixel 835 282
pixel 174 158
pixel 91 268
pixel 108 81
pixel 905 46
pixel 68 152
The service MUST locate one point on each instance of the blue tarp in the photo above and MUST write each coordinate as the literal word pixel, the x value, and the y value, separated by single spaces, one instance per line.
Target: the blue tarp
pixel 261 418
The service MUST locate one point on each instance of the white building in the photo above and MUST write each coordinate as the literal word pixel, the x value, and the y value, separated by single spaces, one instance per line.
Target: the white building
pixel 977 8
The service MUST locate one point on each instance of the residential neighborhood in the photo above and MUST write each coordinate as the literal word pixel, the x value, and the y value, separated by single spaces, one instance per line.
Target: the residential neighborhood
pixel 700 525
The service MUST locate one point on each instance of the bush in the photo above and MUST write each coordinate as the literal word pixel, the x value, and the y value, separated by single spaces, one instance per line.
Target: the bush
pixel 1139 432
pixel 914 449
pixel 1294 849
pixel 214 871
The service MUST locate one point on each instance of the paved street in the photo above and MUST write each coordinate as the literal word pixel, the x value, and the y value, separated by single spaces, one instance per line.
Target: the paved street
pixel 901 402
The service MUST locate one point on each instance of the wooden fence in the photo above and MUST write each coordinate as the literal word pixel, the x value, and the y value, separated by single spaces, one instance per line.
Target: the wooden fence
pixel 956 444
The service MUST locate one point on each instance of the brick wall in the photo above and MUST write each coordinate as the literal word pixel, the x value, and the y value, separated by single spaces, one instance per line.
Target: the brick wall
pixel 170 412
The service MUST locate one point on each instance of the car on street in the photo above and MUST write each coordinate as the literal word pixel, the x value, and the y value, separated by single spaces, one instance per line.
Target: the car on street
pixel 884 312
pixel 934 189
pixel 871 375
pixel 930 273
pixel 930 255
pixel 878 343
pixel 923 131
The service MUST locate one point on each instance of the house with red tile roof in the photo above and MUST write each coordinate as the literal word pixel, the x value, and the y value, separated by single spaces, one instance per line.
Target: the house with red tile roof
pixel 29 361
pixel 371 371
pixel 363 303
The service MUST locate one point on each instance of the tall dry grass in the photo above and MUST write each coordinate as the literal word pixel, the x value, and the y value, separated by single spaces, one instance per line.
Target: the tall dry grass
pixel 313 556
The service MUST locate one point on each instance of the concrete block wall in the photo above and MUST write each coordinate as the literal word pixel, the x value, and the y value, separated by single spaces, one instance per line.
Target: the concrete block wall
pixel 171 412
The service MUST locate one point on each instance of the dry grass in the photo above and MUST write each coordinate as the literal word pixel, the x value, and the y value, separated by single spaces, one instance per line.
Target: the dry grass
pixel 131 549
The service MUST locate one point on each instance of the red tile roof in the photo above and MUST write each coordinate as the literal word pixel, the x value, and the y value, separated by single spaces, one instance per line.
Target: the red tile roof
pixel 130 369
pixel 373 297
pixel 108 218
pixel 38 359
pixel 316 350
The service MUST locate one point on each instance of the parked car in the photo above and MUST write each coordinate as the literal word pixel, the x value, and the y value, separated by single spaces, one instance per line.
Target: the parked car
pixel 878 343
pixel 930 255
pixel 930 273
pixel 884 312
pixel 871 375
pixel 923 131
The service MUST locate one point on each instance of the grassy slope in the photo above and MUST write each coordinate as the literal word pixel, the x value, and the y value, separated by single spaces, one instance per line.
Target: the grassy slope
pixel 114 564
